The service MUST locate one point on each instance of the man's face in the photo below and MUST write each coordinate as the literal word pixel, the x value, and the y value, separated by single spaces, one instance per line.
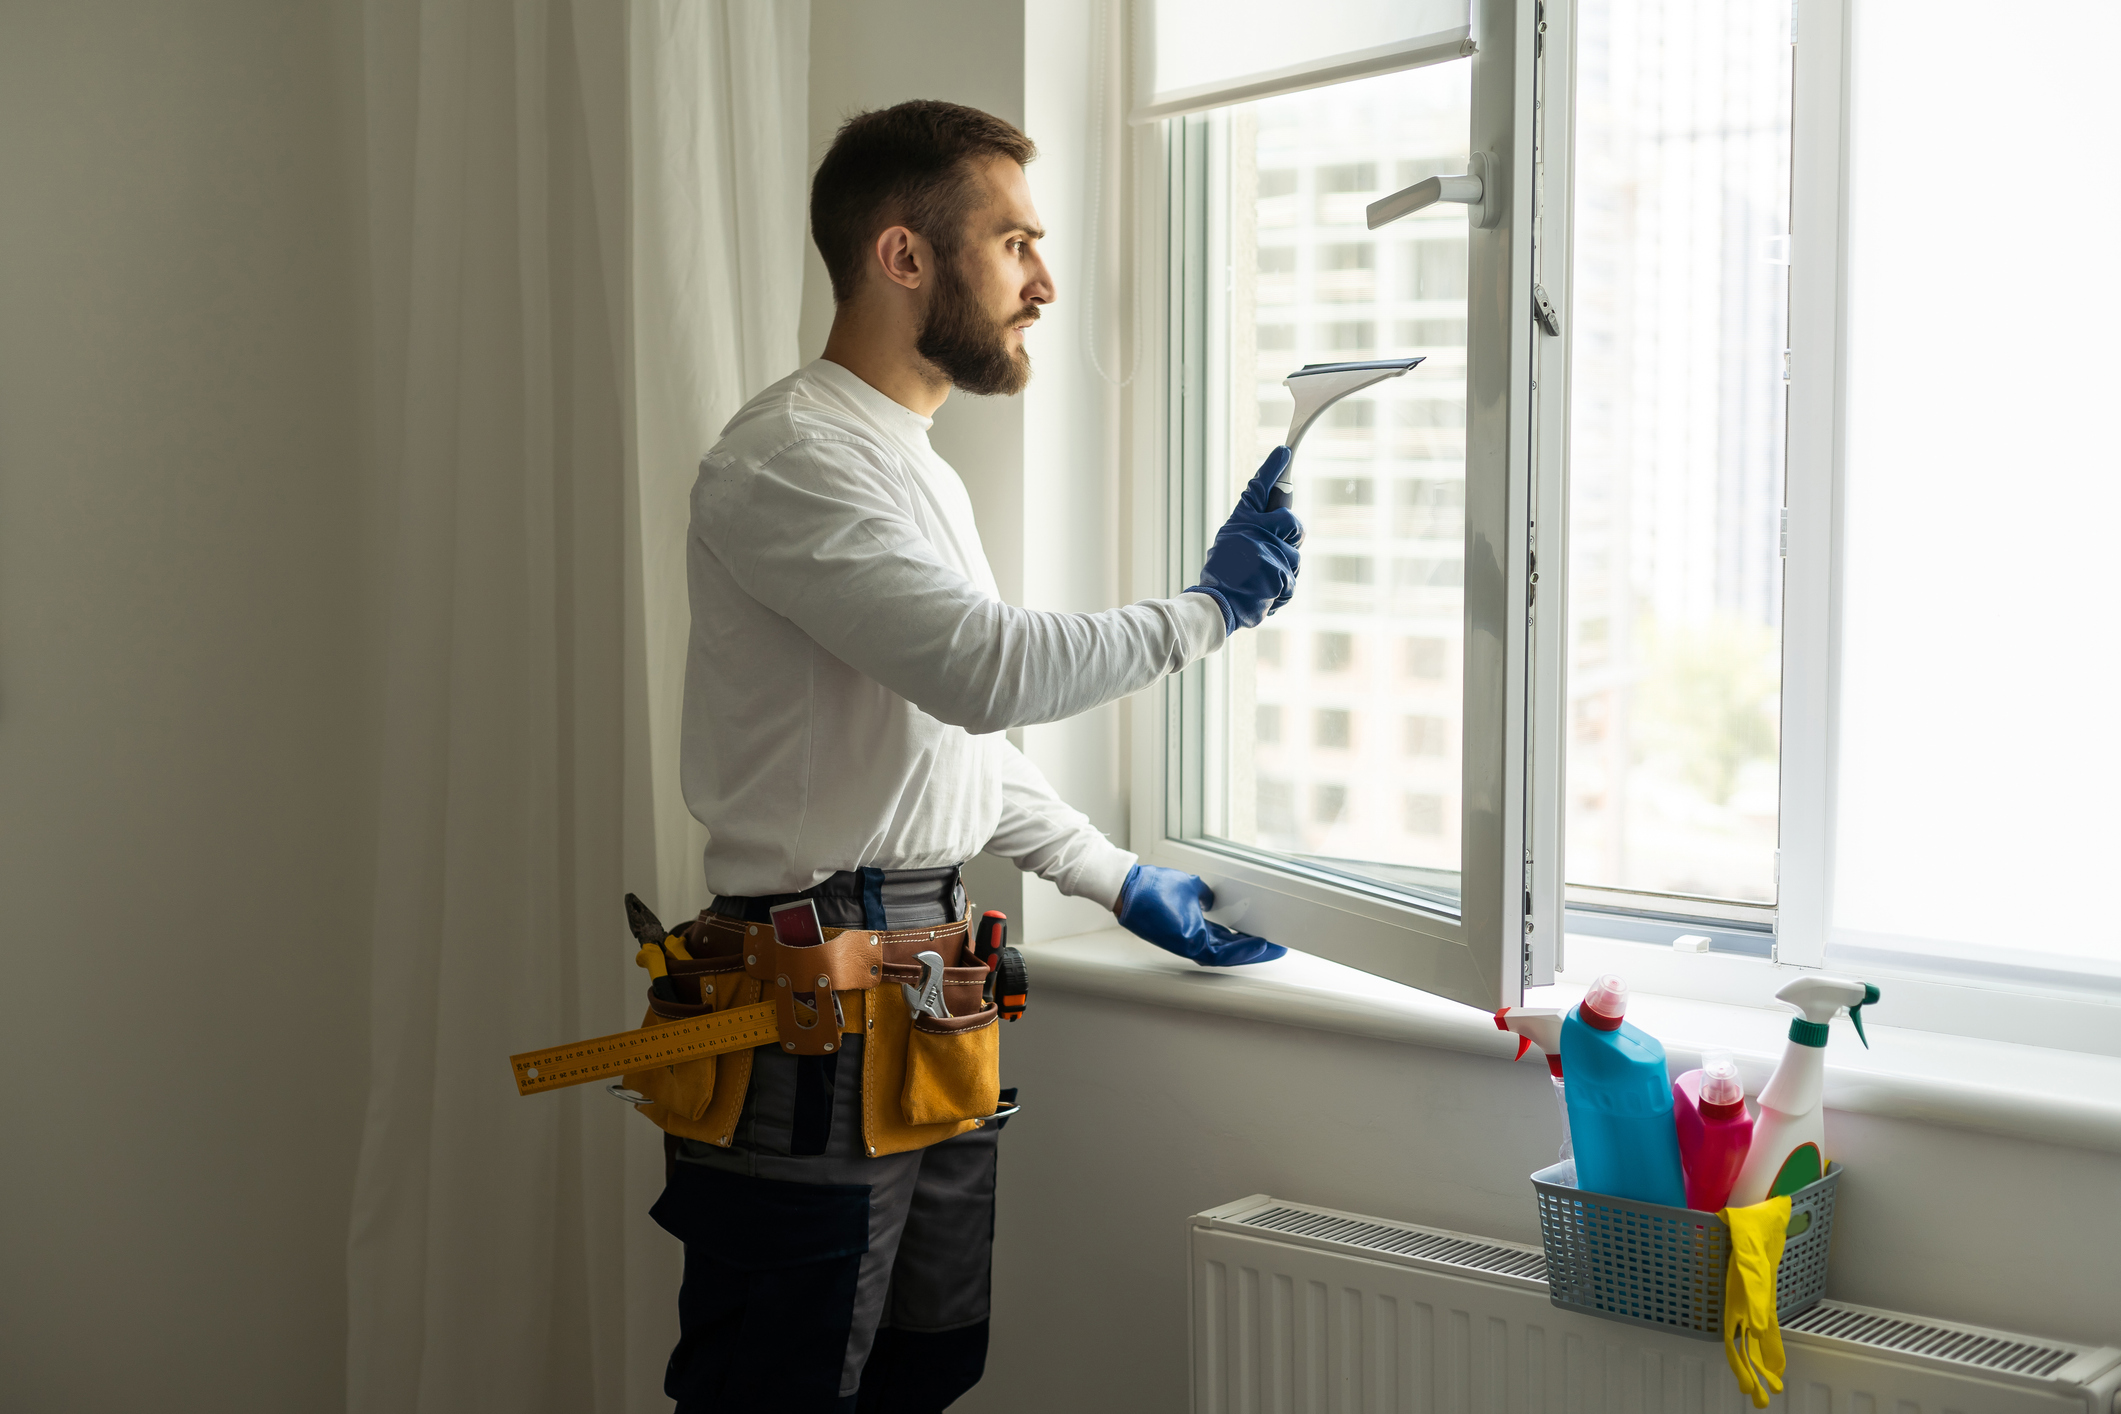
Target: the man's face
pixel 986 298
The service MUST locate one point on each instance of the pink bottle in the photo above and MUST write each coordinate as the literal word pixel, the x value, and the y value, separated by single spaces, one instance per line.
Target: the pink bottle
pixel 1715 1131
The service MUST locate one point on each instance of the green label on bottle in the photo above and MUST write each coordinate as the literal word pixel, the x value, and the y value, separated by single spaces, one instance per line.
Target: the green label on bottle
pixel 1801 1169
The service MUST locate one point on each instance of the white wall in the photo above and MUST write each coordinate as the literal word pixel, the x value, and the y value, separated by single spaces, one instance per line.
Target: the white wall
pixel 182 832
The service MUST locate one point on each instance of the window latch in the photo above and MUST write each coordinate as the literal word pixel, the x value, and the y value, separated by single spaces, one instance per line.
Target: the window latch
pixel 1544 312
pixel 1470 189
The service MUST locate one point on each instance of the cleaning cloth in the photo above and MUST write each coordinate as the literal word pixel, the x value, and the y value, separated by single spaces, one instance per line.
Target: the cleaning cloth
pixel 1752 1337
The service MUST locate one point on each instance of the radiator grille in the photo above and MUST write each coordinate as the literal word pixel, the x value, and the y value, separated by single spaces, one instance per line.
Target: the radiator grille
pixel 1529 1264
pixel 1983 1350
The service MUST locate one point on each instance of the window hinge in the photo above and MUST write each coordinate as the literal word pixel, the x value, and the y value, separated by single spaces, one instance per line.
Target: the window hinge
pixel 1785 365
pixel 1543 310
pixel 1784 551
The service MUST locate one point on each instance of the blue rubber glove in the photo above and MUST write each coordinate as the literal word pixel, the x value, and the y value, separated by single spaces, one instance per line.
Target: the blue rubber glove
pixel 1251 568
pixel 1164 906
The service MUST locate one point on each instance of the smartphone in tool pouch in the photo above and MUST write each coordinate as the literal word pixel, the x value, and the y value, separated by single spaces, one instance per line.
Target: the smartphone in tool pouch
pixel 796 925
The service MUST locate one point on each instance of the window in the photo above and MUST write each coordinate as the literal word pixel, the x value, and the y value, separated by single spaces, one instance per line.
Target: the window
pixel 1678 299
pixel 1365 805
pixel 1347 177
pixel 1348 339
pixel 1277 812
pixel 1430 508
pixel 1425 658
pixel 1746 687
pixel 1346 274
pixel 1426 736
pixel 1433 271
pixel 1978 754
pixel 1445 337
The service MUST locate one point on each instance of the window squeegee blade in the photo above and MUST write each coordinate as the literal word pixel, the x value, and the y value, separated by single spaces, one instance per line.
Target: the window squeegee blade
pixel 1316 387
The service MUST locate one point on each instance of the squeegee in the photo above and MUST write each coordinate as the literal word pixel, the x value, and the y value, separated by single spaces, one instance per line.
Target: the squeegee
pixel 1317 386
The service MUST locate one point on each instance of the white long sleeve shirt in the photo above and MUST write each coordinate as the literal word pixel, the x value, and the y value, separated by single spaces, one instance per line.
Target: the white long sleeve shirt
pixel 851 666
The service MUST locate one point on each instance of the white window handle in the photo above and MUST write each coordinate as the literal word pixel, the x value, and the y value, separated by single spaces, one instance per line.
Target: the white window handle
pixel 1471 189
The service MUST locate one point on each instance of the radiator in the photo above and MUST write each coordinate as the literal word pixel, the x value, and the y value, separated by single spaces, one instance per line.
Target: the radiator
pixel 1303 1310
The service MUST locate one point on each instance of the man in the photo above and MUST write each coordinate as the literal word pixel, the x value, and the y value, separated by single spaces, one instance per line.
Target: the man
pixel 851 671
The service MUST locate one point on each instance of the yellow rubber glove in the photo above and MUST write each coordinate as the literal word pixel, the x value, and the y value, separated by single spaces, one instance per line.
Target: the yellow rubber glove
pixel 1752 1337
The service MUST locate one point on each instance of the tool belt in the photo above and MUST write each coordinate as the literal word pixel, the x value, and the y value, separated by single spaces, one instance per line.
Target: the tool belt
pixel 738 988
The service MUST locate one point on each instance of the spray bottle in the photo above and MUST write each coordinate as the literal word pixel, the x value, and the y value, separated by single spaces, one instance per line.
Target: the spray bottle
pixel 1542 1029
pixel 1789 1138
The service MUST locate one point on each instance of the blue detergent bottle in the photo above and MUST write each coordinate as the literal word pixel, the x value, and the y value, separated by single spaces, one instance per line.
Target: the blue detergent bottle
pixel 1620 1101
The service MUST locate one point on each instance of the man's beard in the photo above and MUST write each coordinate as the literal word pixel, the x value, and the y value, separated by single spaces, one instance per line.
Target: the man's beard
pixel 968 345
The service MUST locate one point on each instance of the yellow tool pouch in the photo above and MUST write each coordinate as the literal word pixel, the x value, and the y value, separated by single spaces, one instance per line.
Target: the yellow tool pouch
pixel 953 1068
pixel 682 1096
pixel 930 1080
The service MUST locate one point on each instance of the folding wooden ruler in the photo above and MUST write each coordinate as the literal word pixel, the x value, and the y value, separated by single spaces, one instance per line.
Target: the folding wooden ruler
pixel 608 1057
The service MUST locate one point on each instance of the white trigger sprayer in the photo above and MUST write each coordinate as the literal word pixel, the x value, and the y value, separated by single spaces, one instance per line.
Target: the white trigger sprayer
pixel 1789 1137
pixel 1316 387
pixel 1541 1028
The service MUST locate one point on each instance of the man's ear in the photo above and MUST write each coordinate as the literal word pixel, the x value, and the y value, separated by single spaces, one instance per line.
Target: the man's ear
pixel 904 257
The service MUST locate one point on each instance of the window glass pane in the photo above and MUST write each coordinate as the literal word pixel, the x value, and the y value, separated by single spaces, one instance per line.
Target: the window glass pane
pixel 1342 734
pixel 1676 444
pixel 1979 760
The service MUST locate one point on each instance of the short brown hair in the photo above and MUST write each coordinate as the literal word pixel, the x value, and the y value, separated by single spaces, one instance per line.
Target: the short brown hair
pixel 908 165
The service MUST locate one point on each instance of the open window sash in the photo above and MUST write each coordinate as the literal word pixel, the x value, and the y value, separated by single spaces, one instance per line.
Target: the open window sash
pixel 1500 934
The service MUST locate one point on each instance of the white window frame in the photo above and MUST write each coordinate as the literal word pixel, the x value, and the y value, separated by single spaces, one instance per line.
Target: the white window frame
pixel 1485 955
pixel 1811 566
pixel 1378 933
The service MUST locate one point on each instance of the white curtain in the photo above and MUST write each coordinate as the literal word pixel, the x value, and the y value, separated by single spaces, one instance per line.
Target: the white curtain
pixel 584 230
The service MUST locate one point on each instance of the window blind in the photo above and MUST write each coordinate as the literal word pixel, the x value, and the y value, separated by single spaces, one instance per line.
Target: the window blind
pixel 1198 54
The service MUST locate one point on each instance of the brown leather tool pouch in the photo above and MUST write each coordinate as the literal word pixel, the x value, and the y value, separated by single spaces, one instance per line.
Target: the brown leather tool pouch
pixel 803 983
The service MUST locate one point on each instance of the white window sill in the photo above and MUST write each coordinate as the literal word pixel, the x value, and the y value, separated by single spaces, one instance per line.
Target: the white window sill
pixel 1994 1087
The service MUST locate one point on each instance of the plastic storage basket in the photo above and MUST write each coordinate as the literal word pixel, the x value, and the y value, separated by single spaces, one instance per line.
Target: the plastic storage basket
pixel 1663 1267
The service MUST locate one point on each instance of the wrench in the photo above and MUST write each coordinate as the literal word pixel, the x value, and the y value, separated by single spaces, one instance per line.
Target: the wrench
pixel 927 999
